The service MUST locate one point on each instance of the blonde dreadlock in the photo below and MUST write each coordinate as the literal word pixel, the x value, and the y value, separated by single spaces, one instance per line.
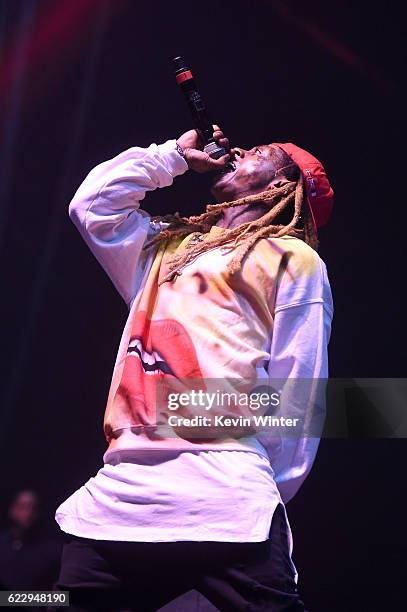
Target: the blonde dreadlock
pixel 244 236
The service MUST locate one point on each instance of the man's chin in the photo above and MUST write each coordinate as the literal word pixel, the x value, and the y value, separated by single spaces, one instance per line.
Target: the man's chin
pixel 217 176
pixel 223 178
pixel 221 185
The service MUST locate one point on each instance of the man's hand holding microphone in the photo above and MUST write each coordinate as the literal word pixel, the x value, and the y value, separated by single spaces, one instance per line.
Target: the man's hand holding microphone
pixel 192 145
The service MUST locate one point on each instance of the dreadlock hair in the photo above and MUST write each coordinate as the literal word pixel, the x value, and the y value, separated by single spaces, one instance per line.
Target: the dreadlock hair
pixel 288 214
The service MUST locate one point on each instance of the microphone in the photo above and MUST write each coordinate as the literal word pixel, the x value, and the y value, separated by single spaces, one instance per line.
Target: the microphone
pixel 185 80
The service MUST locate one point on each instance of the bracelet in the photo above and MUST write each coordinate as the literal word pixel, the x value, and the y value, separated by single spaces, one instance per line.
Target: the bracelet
pixel 180 150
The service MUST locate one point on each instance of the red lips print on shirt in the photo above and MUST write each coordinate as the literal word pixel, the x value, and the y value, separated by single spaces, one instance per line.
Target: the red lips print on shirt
pixel 157 349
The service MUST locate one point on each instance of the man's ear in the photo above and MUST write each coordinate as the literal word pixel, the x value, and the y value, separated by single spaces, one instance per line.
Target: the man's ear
pixel 278 182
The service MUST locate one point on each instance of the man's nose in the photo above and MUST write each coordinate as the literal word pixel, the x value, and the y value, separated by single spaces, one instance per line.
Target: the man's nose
pixel 239 151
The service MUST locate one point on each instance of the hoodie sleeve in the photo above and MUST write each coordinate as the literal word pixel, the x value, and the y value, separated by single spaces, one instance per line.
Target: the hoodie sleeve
pixel 298 365
pixel 106 211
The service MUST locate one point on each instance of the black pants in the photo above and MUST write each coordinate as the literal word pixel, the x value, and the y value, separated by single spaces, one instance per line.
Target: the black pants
pixel 137 576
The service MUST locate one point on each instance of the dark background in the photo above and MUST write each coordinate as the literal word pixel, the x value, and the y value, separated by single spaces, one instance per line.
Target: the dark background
pixel 82 80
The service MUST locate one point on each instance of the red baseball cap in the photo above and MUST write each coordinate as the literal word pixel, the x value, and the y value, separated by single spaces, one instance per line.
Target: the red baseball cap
pixel 320 194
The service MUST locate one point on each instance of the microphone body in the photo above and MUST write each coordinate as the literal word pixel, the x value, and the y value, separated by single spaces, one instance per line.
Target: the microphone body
pixel 186 82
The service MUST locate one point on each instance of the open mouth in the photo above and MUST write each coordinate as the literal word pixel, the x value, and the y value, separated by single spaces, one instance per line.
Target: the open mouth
pixel 230 167
pixel 161 347
pixel 152 363
pixel 159 351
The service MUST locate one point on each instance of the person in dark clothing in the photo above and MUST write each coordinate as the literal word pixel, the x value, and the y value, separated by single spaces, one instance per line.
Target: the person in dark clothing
pixel 29 555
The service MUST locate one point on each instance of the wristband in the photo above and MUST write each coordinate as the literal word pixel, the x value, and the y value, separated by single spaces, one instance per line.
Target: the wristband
pixel 180 150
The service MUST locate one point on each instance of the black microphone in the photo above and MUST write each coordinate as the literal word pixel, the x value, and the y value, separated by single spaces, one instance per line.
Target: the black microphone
pixel 185 80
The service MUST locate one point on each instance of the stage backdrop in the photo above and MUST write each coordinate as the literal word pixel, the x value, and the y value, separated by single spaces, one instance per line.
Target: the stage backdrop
pixel 82 80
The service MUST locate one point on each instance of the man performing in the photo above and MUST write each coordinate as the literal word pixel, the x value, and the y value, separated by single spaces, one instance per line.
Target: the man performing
pixel 238 292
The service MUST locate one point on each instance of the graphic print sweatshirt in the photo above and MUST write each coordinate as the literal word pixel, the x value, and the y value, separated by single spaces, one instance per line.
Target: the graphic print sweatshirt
pixel 269 321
